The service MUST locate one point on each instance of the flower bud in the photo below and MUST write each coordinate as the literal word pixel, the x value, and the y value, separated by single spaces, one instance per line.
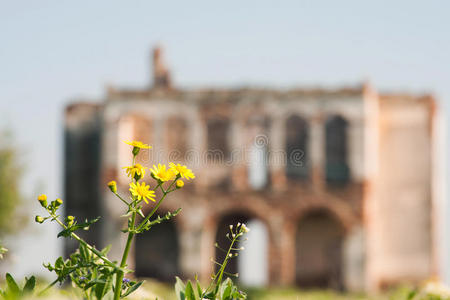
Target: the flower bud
pixel 57 203
pixel 69 220
pixel 244 228
pixel 135 150
pixel 43 200
pixel 112 186
pixel 39 219
pixel 180 183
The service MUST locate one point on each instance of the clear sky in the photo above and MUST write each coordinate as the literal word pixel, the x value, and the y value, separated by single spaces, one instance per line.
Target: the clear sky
pixel 55 51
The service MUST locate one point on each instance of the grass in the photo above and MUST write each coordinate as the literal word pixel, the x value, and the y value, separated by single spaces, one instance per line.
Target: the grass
pixel 153 289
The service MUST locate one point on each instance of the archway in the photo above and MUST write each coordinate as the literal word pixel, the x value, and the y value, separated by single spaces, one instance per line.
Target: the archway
pixel 319 251
pixel 157 252
pixel 252 264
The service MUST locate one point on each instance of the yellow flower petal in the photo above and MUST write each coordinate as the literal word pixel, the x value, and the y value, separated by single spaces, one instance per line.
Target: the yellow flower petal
pixel 182 170
pixel 141 191
pixel 163 174
pixel 138 144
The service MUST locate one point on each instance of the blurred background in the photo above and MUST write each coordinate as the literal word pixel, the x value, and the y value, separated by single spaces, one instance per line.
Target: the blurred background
pixel 380 68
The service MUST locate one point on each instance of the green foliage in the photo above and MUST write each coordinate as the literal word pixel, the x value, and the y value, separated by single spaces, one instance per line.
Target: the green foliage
pixel 13 291
pixel 149 224
pixel 217 289
pixel 10 173
pixel 74 226
pixel 89 269
pixel 227 290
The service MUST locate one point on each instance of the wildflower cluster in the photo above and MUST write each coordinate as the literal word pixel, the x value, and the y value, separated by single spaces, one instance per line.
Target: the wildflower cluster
pixel 218 288
pixel 88 268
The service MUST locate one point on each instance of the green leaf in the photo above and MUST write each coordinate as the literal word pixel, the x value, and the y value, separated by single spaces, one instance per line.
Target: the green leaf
pixel 59 263
pixel 12 285
pixel 90 284
pixel 106 249
pixel 179 289
pixel 29 284
pixel 210 296
pixel 84 253
pixel 159 220
pixel 199 290
pixel 227 293
pixel 225 289
pixel 64 233
pixel 85 226
pixel 411 295
pixel 189 291
pixel 132 288
pixel 100 289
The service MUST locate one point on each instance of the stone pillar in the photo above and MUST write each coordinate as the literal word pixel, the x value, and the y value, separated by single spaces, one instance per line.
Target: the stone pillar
pixel 190 236
pixel 196 155
pixel 207 251
pixel 239 157
pixel 316 147
pixel 354 260
pixel 277 155
pixel 287 247
pixel 355 146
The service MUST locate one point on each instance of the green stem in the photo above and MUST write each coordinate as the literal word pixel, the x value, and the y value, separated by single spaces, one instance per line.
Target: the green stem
pixel 120 274
pixel 142 224
pixel 222 269
pixel 123 200
pixel 219 273
pixel 87 295
pixel 48 287
pixel 84 243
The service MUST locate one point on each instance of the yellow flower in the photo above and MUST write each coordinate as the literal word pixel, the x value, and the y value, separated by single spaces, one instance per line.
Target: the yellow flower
pixel 180 183
pixel 43 200
pixel 182 170
pixel 138 144
pixel 136 169
pixel 162 173
pixel 112 186
pixel 142 191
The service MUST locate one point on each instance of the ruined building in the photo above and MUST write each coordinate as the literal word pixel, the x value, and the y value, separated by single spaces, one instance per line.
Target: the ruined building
pixel 336 184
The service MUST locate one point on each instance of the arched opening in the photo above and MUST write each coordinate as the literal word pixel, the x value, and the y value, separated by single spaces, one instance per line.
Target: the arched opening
pixel 252 262
pixel 157 253
pixel 336 166
pixel 319 251
pixel 297 165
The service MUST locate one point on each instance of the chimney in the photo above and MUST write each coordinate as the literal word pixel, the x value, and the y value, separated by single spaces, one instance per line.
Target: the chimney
pixel 161 75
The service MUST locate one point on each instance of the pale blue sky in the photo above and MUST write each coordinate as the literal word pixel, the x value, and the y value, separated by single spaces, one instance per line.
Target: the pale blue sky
pixel 54 51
